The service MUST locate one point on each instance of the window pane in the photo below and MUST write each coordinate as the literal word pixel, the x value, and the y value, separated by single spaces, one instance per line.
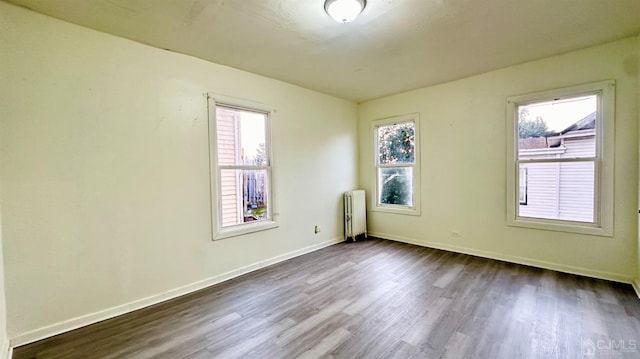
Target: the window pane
pixel 522 187
pixel 252 138
pixel 244 196
pixel 241 137
pixel 227 136
pixel 396 143
pixel 563 128
pixel 559 190
pixel 396 186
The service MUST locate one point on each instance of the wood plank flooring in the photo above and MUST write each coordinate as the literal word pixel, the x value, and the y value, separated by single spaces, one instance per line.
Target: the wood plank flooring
pixel 374 299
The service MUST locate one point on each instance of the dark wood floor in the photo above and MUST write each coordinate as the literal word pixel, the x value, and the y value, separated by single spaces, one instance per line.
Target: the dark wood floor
pixel 374 299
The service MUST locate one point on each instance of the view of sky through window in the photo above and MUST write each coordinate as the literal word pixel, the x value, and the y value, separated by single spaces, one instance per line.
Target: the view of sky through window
pixel 560 114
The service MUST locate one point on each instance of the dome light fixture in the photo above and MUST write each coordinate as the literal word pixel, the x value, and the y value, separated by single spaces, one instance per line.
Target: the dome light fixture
pixel 344 10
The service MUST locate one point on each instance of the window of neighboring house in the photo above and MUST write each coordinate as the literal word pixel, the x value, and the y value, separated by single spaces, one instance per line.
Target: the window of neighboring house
pixel 561 155
pixel 522 189
pixel 241 169
pixel 396 165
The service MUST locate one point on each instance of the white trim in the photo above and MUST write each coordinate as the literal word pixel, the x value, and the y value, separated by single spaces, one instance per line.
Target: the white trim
pixel 415 209
pixel 244 228
pixel 636 286
pixel 7 350
pixel 604 160
pixel 92 318
pixel 240 102
pixel 559 226
pixel 615 277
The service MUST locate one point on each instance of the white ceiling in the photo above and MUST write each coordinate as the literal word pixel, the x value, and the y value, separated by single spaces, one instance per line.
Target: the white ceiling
pixel 395 45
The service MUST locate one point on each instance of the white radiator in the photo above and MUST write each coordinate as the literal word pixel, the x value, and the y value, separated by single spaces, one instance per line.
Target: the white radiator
pixel 355 214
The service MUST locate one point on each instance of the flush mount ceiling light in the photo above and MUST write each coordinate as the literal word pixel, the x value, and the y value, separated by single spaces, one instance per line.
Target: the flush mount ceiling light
pixel 344 10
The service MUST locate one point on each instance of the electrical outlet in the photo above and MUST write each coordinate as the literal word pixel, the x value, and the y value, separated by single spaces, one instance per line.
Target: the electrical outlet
pixel 455 234
pixel 316 229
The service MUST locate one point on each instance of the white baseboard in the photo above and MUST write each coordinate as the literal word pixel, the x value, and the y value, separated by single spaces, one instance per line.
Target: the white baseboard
pixel 78 322
pixel 636 286
pixel 615 277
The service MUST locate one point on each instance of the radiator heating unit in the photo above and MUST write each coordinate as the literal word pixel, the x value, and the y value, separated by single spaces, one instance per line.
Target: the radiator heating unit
pixel 355 214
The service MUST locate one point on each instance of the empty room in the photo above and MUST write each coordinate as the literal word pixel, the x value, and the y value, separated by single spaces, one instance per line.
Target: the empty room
pixel 319 179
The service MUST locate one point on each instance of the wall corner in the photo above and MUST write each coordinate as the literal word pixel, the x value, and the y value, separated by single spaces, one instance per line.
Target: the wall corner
pixel 636 286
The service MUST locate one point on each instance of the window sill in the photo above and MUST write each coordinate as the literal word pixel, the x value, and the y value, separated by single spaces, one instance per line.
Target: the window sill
pixel 560 226
pixel 397 210
pixel 242 229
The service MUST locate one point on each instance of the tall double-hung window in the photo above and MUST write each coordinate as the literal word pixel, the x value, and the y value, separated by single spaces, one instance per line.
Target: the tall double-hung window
pixel 241 168
pixel 397 168
pixel 560 159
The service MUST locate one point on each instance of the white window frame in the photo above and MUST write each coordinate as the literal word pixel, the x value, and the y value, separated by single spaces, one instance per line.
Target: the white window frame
pixel 218 231
pixel 393 208
pixel 603 162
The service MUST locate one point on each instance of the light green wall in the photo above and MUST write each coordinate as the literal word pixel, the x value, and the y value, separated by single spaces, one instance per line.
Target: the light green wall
pixel 463 164
pixel 638 72
pixel 4 340
pixel 105 185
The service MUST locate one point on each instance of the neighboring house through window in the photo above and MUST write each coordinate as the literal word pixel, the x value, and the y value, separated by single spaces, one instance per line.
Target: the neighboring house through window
pixel 396 165
pixel 241 169
pixel 522 191
pixel 562 150
pixel 562 185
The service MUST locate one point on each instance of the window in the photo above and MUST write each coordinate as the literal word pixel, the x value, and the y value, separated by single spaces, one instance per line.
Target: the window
pixel 522 189
pixel 396 165
pixel 242 199
pixel 561 158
